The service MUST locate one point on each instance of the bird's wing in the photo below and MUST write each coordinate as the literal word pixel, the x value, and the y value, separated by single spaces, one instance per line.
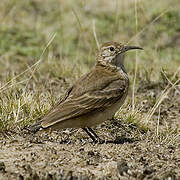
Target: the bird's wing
pixel 93 98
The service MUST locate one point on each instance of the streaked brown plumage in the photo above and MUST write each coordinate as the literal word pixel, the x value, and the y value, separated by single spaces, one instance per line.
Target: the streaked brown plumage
pixel 96 96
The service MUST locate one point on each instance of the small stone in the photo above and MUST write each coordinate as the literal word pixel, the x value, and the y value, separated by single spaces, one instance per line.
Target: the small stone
pixel 21 177
pixel 2 166
pixel 84 177
pixel 91 153
pixel 122 167
pixel 148 171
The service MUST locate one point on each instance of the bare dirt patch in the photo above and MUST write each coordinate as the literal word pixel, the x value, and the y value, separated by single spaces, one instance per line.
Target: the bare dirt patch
pixel 51 160
pixel 70 154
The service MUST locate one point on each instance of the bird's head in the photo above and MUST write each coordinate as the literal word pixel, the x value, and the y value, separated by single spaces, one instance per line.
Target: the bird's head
pixel 113 53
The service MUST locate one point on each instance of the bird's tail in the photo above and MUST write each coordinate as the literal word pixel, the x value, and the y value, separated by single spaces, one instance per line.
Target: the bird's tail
pixel 35 127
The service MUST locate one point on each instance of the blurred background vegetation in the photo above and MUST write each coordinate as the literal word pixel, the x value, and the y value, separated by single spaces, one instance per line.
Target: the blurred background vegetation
pixel 26 27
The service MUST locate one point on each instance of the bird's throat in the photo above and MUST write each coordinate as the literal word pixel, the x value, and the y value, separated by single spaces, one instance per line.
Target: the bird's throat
pixel 118 61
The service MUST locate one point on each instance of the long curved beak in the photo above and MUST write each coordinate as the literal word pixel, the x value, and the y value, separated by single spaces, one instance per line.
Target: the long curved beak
pixel 127 48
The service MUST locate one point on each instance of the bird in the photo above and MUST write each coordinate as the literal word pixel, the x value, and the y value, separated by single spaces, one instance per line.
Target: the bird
pixel 95 97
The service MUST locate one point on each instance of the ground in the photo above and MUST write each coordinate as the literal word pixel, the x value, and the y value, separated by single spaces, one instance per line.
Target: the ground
pixel 46 45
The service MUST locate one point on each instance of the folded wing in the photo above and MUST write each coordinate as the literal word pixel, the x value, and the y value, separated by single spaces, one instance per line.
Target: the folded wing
pixel 75 104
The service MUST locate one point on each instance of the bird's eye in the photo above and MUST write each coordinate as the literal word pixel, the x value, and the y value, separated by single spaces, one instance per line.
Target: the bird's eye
pixel 111 48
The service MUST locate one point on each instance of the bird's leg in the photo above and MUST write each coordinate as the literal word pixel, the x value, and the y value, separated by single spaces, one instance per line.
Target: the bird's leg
pixel 93 135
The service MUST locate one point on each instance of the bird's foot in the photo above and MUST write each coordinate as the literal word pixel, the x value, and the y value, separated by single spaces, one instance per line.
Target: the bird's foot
pixel 99 141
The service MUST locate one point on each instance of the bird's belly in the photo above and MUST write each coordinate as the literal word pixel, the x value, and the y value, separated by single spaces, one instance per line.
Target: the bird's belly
pixel 98 117
pixel 107 114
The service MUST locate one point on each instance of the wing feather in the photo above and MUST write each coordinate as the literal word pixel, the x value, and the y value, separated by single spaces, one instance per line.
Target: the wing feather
pixel 76 105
